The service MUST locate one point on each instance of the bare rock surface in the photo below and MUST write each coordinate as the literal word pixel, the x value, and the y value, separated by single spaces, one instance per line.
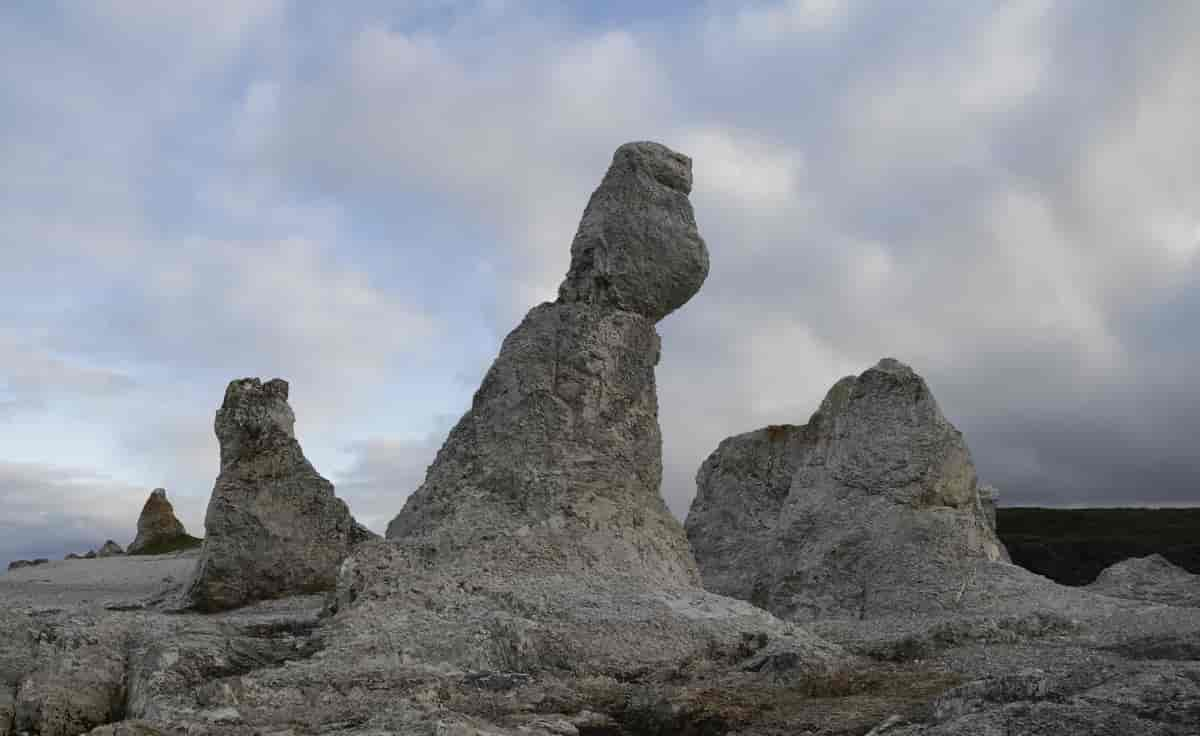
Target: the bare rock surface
pixel 157 525
pixel 110 549
pixel 274 526
pixel 872 508
pixel 535 586
pixel 637 248
pixel 1151 578
pixel 541 521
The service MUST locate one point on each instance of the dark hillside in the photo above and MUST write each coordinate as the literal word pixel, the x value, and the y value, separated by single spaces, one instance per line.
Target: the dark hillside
pixel 1072 546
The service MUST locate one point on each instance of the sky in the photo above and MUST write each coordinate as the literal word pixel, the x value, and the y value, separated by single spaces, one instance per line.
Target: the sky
pixel 365 197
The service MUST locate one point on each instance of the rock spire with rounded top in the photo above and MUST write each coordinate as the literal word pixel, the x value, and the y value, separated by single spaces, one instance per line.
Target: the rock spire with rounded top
pixel 871 508
pixel 637 248
pixel 157 527
pixel 274 526
pixel 559 459
pixel 540 521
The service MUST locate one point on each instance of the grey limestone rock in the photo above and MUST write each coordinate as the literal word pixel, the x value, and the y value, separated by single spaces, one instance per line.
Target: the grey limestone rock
pixel 1109 699
pixel 638 248
pixel 1153 578
pixel 870 509
pixel 7 710
pixel 110 549
pixel 540 520
pixel 77 679
pixel 274 526
pixel 558 462
pixel 157 525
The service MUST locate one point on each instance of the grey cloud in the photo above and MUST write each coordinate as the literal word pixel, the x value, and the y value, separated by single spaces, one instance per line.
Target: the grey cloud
pixel 933 185
pixel 52 510
pixel 383 473
pixel 1003 196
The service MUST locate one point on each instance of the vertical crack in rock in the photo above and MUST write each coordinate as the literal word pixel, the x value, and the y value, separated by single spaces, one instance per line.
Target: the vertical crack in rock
pixel 274 526
pixel 871 508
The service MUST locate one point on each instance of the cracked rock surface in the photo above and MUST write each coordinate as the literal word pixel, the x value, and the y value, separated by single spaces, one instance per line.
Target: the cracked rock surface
pixel 871 508
pixel 274 526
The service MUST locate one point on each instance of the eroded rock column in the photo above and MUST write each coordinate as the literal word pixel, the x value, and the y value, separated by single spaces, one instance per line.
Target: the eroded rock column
pixel 274 526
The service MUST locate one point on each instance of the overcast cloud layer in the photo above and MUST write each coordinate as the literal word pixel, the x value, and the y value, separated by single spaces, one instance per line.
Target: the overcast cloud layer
pixel 365 197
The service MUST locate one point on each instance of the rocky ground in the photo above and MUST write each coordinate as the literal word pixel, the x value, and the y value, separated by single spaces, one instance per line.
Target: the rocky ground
pixel 94 642
pixel 536 584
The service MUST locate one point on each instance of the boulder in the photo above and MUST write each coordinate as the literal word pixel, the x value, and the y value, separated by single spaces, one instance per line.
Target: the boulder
pixel 90 554
pixel 541 522
pixel 274 526
pixel 637 248
pixel 870 509
pixel 110 549
pixel 157 526
pixel 1152 578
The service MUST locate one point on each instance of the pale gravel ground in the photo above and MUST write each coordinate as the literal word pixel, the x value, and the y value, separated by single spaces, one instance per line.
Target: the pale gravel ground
pixel 107 580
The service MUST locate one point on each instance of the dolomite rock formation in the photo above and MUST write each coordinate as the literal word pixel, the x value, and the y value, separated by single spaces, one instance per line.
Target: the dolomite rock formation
pixel 110 549
pixel 558 462
pixel 274 526
pixel 157 526
pixel 872 508
pixel 1153 578
pixel 540 521
pixel 637 249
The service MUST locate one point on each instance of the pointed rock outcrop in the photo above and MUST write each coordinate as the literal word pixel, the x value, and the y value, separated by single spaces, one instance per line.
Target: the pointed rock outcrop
pixel 540 522
pixel 274 526
pixel 110 549
pixel 872 508
pixel 158 529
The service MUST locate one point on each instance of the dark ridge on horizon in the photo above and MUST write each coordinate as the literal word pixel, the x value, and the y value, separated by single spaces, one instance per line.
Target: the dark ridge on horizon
pixel 1072 546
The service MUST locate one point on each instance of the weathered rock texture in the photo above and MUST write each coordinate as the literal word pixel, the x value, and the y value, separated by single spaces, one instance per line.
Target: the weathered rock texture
pixel 547 620
pixel 157 526
pixel 558 463
pixel 638 249
pixel 540 521
pixel 872 508
pixel 1151 578
pixel 274 526
pixel 110 549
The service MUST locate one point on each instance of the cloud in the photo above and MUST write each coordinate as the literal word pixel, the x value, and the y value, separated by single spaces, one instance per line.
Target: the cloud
pixel 364 200
pixel 52 510
pixel 383 473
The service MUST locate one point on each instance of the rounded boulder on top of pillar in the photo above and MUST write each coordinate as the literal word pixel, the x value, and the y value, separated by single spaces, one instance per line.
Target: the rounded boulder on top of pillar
pixel 638 248
pixel 274 526
pixel 539 539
